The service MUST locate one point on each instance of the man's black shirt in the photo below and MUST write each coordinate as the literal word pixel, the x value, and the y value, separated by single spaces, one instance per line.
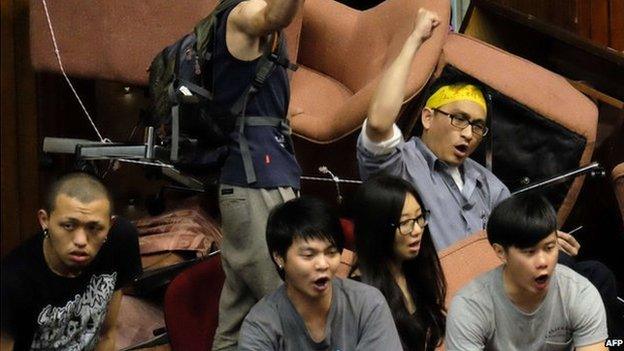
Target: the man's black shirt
pixel 44 311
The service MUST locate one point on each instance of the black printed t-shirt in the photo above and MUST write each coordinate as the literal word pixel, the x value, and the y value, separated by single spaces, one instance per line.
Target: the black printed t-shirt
pixel 44 311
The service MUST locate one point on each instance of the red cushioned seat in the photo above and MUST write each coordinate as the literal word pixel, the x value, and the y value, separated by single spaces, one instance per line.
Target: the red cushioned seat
pixel 192 305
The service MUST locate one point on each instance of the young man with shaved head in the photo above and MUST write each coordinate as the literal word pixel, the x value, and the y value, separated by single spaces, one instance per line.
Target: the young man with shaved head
pixel 529 302
pixel 61 289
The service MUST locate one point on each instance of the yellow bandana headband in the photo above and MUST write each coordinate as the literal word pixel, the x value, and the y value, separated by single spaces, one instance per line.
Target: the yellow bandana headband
pixel 456 92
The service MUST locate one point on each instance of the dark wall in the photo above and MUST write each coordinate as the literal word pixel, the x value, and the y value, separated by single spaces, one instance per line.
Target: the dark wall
pixel 20 175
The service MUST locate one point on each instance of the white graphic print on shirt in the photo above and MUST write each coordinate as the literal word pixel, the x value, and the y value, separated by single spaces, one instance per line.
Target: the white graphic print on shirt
pixel 75 327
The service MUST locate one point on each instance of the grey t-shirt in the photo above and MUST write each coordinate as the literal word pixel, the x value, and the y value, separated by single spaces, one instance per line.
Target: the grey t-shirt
pixel 482 317
pixel 359 319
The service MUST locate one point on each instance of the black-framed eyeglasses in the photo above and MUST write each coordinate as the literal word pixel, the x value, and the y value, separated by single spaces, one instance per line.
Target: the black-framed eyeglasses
pixel 460 121
pixel 406 226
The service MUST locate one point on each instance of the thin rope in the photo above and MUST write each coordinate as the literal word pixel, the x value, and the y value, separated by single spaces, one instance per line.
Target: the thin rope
pixel 58 58
pixel 346 181
pixel 146 163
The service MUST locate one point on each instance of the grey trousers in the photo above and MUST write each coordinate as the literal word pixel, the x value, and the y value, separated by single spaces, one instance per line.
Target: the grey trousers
pixel 249 271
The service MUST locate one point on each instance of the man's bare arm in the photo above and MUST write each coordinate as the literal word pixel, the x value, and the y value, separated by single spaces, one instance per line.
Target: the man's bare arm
pixel 599 346
pixel 390 92
pixel 6 342
pixel 258 18
pixel 108 333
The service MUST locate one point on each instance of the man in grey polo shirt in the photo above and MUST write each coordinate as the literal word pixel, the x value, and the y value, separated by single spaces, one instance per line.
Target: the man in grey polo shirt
pixel 529 302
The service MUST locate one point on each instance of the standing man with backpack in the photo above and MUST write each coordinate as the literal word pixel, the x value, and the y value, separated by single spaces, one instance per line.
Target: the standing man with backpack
pixel 260 170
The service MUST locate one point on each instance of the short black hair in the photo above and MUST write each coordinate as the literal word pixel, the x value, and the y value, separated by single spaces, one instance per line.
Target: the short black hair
pixel 521 221
pixel 302 218
pixel 79 185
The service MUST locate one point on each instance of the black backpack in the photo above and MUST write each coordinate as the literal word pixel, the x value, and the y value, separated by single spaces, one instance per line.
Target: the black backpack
pixel 181 92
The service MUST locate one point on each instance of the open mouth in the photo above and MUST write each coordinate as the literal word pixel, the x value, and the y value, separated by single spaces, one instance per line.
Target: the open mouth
pixel 414 246
pixel 462 148
pixel 321 284
pixel 541 281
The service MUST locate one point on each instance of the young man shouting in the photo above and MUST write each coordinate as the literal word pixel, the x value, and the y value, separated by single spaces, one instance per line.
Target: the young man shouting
pixel 313 310
pixel 529 302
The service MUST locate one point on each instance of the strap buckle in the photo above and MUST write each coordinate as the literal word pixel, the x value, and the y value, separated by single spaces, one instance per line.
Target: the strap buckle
pixel 285 127
pixel 283 61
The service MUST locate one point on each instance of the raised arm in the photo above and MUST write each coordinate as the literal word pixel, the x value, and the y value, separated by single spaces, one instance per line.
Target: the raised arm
pixel 257 18
pixel 390 92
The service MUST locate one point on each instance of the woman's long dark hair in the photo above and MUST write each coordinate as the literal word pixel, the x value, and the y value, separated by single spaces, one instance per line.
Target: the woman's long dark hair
pixel 377 208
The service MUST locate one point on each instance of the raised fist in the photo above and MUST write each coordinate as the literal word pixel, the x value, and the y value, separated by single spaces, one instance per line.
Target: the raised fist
pixel 425 22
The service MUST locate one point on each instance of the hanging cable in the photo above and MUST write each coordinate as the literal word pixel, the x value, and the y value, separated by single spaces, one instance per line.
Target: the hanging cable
pixel 58 58
pixel 57 53
pixel 319 179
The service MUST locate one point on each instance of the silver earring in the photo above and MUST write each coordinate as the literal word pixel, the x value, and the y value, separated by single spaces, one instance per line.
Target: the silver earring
pixel 105 239
pixel 46 233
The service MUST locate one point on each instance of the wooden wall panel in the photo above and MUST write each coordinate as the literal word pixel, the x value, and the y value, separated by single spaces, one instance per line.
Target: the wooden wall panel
pixel 600 22
pixel 20 169
pixel 583 18
pixel 27 126
pixel 562 13
pixel 10 199
pixel 616 24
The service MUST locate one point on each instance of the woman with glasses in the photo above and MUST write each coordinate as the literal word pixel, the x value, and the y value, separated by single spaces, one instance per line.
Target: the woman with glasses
pixel 396 255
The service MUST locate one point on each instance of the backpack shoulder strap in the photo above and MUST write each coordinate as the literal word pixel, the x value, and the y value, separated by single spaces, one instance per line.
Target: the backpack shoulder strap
pixel 273 55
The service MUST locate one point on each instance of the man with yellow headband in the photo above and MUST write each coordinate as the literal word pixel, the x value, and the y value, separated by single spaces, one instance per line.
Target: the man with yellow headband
pixel 458 192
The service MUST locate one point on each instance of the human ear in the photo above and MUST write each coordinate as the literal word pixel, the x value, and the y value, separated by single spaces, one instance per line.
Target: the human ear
pixel 500 252
pixel 426 116
pixel 278 260
pixel 44 219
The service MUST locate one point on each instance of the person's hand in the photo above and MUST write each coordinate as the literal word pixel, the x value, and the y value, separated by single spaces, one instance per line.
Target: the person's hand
pixel 425 22
pixel 568 244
